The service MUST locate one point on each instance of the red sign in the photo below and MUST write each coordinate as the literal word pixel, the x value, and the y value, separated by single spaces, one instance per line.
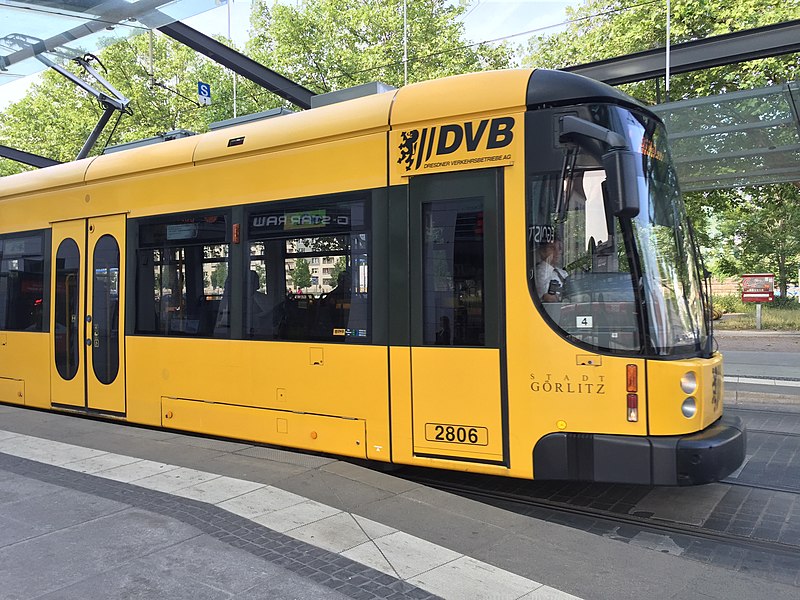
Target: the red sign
pixel 758 287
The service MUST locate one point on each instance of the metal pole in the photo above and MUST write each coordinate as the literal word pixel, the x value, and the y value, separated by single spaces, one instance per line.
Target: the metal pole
pixel 234 72
pixel 758 316
pixel 405 42
pixel 666 72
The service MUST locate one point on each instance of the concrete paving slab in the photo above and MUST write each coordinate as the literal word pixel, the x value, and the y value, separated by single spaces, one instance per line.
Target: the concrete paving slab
pixel 336 533
pixel 13 531
pixel 261 501
pixel 75 553
pixel 251 468
pixel 14 490
pixel 7 435
pixel 287 519
pixel 373 529
pixel 218 490
pixel 548 593
pixel 408 512
pixel 311 461
pixel 369 554
pixel 466 577
pixel 411 556
pixel 102 462
pixel 326 487
pixel 175 479
pixel 62 509
pixel 376 479
pixel 54 453
pixel 134 471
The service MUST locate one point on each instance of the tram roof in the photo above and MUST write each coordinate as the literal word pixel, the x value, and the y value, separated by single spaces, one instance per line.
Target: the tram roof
pixel 457 96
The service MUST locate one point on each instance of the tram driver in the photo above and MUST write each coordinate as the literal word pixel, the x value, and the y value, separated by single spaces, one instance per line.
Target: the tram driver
pixel 550 276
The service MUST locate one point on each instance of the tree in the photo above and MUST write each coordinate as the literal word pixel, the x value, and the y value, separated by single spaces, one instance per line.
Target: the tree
pixel 338 268
pixel 332 44
pixel 600 29
pixel 56 117
pixel 219 274
pixel 301 275
pixel 759 234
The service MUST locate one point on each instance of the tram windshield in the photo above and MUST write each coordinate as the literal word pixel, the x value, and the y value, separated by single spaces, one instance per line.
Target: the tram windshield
pixel 621 281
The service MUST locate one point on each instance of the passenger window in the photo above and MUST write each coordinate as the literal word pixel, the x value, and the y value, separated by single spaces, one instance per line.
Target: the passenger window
pixel 453 273
pixel 67 335
pixel 183 286
pixel 308 273
pixel 22 276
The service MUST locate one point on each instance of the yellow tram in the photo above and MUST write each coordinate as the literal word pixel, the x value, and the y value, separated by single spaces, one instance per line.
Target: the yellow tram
pixel 492 272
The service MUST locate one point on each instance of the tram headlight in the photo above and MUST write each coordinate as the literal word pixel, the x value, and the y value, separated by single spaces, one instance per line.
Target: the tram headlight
pixel 689 407
pixel 689 382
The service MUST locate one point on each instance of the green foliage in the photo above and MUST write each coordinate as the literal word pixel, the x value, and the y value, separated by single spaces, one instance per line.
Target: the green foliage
pixel 301 275
pixel 219 274
pixel 729 303
pixel 338 267
pixel 56 117
pixel 772 318
pixel 601 29
pixel 785 302
pixel 758 234
pixel 332 44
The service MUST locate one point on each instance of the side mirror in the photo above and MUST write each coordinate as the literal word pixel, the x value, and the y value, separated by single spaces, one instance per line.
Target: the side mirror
pixel 621 176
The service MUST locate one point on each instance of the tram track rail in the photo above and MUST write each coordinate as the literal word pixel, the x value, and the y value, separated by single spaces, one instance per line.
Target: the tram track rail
pixel 669 528
pixel 757 486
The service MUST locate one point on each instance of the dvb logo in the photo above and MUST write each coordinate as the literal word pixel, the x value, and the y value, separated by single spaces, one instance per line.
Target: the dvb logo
pixel 488 134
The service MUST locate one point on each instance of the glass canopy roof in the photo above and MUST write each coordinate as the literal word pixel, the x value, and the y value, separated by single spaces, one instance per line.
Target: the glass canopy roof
pixel 64 29
pixel 742 138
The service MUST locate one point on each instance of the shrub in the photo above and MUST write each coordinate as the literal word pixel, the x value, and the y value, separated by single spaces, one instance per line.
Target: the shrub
pixel 785 302
pixel 729 303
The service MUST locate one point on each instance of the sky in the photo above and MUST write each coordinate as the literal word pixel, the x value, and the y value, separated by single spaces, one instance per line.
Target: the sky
pixel 485 20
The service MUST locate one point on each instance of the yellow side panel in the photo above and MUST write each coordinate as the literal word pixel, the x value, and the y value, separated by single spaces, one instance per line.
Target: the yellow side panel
pixel 344 165
pixel 666 396
pixel 349 381
pixel 457 388
pixel 12 391
pixel 38 211
pixel 24 368
pixel 308 432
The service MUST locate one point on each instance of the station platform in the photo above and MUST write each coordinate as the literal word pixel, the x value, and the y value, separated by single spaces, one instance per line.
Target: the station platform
pixel 96 509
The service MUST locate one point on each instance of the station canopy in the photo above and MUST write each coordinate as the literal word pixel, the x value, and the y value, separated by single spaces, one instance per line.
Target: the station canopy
pixel 65 29
pixel 730 140
pixel 737 139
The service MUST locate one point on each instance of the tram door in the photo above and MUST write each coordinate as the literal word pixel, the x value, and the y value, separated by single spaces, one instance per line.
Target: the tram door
pixel 86 322
pixel 457 367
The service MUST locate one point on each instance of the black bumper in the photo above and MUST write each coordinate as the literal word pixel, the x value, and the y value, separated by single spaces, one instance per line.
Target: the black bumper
pixel 702 457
